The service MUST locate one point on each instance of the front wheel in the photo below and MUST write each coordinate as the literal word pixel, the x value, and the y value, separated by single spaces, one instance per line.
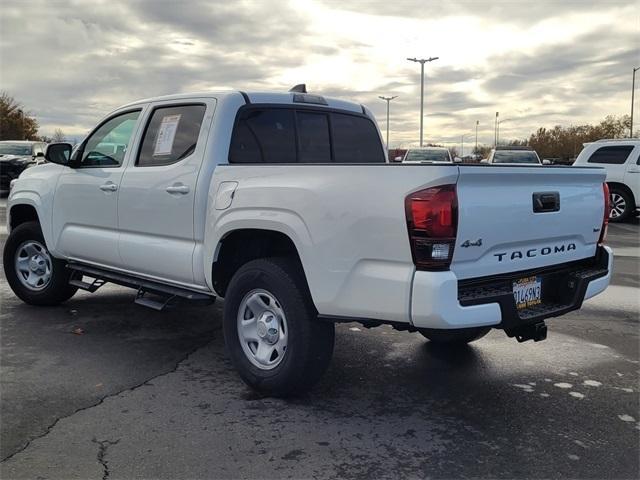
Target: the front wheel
pixel 460 336
pixel 271 331
pixel 34 275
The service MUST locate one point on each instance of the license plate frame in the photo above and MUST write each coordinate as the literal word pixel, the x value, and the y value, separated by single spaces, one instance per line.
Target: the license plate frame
pixel 527 291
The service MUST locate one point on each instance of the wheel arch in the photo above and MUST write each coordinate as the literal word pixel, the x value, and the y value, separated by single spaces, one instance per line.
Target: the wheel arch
pixel 623 187
pixel 239 246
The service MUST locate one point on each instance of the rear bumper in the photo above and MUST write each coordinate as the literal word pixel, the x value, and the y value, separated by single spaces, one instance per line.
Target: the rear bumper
pixel 439 300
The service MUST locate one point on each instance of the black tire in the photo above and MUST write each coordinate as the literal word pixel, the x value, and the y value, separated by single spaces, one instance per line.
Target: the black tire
pixel 627 206
pixel 460 336
pixel 56 291
pixel 309 341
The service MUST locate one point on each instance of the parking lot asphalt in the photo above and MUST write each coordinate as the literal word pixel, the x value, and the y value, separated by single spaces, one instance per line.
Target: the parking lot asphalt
pixel 102 388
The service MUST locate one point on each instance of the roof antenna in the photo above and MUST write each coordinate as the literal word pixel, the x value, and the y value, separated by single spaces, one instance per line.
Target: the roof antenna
pixel 300 88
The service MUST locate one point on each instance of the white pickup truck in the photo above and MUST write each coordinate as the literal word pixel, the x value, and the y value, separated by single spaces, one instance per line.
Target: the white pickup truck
pixel 285 205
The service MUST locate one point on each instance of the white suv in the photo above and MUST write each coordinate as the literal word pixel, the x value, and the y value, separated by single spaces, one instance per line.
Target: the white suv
pixel 621 159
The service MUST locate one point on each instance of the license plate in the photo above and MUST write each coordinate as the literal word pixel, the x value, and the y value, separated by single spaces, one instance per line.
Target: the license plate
pixel 527 292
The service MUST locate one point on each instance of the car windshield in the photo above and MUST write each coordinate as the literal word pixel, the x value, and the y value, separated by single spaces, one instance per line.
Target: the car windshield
pixel 515 156
pixel 14 149
pixel 434 155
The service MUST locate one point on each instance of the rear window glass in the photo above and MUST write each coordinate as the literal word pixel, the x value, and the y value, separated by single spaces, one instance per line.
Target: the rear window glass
pixel 283 135
pixel 612 155
pixel 264 136
pixel 355 140
pixel 429 155
pixel 171 135
pixel 313 138
pixel 515 157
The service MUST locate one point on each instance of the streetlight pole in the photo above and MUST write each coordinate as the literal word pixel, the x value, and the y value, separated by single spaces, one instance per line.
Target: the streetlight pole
pixel 388 100
pixel 498 129
pixel 422 61
pixel 462 143
pixel 633 91
pixel 495 131
pixel 477 123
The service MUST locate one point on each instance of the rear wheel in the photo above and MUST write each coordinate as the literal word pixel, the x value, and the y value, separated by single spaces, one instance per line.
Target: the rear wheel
pixel 271 331
pixel 34 275
pixel 460 336
pixel 620 205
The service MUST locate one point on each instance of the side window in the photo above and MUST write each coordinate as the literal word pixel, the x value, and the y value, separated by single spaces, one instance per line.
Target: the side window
pixel 108 144
pixel 355 140
pixel 264 136
pixel 612 155
pixel 313 137
pixel 171 135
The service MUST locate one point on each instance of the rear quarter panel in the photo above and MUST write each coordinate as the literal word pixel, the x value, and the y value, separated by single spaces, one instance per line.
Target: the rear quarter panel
pixel 347 222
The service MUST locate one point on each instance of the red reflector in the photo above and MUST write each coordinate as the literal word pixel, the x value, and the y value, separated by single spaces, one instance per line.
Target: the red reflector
pixel 607 212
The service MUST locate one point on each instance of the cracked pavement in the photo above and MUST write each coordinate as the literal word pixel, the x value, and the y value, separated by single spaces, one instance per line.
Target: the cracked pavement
pixel 142 394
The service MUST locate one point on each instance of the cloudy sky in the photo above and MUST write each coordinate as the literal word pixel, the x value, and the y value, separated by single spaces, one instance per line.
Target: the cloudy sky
pixel 539 63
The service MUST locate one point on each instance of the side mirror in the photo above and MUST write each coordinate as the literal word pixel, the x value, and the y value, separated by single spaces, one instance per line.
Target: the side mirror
pixel 397 159
pixel 546 162
pixel 59 153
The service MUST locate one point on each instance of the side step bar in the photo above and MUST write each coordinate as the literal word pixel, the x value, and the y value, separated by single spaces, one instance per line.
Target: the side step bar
pixel 166 293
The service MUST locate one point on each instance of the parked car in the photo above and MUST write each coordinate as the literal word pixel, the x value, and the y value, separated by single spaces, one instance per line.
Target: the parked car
pixel 15 156
pixel 621 159
pixel 284 204
pixel 427 155
pixel 515 155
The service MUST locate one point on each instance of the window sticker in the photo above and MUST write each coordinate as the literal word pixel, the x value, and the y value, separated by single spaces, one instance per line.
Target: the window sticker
pixel 166 135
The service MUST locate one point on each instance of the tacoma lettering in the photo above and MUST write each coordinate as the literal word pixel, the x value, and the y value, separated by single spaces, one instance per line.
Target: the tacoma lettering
pixel 533 252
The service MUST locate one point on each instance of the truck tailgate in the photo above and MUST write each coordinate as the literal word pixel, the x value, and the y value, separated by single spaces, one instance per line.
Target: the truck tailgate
pixel 499 231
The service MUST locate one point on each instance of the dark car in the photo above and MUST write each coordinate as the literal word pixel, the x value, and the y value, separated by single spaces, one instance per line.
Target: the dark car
pixel 15 156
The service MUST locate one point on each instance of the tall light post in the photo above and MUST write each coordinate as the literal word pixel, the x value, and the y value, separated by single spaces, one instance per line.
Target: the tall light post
pixel 388 100
pixel 498 129
pixel 422 61
pixel 462 137
pixel 633 91
pixel 477 123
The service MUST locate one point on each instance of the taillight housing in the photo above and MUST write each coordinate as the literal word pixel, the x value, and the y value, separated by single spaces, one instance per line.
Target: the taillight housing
pixel 607 212
pixel 432 222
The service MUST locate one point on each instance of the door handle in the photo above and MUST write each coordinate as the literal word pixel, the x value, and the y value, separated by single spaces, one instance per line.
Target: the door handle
pixel 178 188
pixel 109 187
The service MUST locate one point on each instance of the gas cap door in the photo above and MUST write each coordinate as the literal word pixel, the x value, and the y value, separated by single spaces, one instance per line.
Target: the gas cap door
pixel 224 197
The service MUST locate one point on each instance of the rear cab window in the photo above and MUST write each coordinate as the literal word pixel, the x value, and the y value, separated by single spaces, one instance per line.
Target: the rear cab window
pixel 303 135
pixel 171 135
pixel 613 155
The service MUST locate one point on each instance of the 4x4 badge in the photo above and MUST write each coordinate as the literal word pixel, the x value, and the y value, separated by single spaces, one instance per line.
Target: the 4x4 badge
pixel 468 243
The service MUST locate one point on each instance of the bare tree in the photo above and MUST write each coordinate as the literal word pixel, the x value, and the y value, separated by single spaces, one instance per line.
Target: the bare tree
pixel 58 136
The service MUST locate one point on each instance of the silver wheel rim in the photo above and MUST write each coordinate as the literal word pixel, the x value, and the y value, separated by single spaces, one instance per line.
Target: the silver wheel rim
pixel 33 265
pixel 618 205
pixel 262 329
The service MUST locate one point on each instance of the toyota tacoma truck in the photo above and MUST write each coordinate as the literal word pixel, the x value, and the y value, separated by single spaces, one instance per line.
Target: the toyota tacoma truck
pixel 284 204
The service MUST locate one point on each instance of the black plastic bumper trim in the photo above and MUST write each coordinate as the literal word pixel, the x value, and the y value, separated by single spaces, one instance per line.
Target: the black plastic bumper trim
pixel 563 290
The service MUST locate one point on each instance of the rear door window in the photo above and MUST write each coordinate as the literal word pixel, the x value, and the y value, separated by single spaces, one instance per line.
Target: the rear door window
pixel 171 135
pixel 615 155
pixel 355 140
pixel 264 136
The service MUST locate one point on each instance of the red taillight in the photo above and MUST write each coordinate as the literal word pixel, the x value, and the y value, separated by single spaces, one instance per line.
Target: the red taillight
pixel 432 221
pixel 607 212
